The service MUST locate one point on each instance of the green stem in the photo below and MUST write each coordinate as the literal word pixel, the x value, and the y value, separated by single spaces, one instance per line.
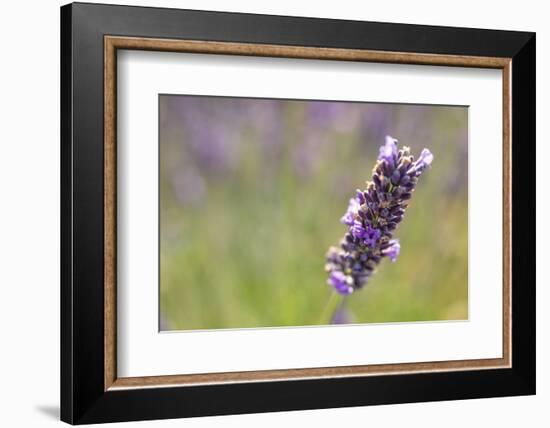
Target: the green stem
pixel 330 308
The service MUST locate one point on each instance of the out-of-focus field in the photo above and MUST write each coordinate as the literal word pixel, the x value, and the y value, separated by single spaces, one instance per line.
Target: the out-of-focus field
pixel 251 193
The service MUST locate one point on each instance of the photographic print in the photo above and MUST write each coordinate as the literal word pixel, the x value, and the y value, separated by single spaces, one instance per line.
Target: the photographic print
pixel 280 213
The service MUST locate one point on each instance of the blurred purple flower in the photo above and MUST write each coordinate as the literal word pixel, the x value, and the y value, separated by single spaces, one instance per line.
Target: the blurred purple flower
pixel 371 225
pixel 307 155
pixel 189 187
pixel 211 130
pixel 458 175
pixel 265 117
pixel 323 113
pixel 334 115
pixel 375 121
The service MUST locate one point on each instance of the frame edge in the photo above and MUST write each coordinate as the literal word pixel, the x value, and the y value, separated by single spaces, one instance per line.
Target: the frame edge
pixel 80 402
pixel 113 43
pixel 66 306
pixel 523 159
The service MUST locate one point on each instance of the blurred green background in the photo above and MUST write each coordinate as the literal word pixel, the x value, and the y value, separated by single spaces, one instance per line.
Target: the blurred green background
pixel 251 193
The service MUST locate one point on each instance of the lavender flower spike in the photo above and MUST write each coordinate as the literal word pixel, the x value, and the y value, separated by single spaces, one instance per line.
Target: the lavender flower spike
pixel 372 217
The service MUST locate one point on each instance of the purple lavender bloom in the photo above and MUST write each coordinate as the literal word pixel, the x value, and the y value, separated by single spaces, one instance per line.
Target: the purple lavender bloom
pixel 341 282
pixel 371 237
pixel 357 230
pixel 372 217
pixel 425 159
pixel 393 250
pixel 388 152
pixel 350 214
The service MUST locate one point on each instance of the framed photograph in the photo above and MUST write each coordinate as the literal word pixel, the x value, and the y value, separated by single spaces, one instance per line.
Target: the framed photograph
pixel 265 213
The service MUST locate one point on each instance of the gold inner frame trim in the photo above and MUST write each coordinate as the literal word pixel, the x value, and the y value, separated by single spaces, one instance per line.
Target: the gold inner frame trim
pixel 113 43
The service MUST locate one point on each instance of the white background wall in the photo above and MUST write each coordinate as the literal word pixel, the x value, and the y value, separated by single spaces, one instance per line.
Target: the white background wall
pixel 29 213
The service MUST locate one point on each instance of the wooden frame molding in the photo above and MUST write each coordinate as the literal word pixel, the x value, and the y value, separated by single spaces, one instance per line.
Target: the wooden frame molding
pixel 113 43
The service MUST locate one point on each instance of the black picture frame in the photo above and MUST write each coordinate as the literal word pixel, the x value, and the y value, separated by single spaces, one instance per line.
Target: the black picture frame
pixel 83 397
